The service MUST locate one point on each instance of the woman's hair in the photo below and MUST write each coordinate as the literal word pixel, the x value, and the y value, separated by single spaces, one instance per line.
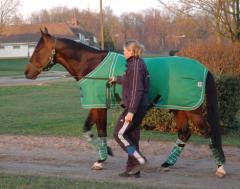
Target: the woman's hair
pixel 134 46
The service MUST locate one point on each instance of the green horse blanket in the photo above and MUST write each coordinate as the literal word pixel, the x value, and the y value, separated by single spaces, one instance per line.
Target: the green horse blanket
pixel 179 81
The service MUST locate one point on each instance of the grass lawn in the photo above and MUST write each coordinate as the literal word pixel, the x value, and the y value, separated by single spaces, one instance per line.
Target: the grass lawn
pixel 54 109
pixel 51 109
pixel 40 182
pixel 11 67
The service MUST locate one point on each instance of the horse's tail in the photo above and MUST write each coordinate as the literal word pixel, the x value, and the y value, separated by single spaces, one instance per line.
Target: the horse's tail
pixel 213 115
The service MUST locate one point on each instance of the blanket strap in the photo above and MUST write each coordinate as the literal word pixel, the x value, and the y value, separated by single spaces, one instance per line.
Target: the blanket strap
pixel 155 100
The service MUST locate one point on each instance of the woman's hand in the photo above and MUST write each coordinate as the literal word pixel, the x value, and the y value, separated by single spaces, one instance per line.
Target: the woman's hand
pixel 111 80
pixel 129 117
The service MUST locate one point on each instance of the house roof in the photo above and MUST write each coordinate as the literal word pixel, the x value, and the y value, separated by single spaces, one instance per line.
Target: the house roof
pixel 31 32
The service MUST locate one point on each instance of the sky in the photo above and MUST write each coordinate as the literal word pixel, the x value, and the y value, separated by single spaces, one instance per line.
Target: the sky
pixel 118 6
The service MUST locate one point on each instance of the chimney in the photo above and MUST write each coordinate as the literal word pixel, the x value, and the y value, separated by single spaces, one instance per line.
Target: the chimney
pixel 74 22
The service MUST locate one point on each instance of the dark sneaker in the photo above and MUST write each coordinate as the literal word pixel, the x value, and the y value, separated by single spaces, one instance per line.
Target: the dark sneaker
pixel 137 174
pixel 127 174
pixel 139 167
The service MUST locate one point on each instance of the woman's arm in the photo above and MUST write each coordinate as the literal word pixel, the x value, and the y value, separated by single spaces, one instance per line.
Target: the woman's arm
pixel 136 86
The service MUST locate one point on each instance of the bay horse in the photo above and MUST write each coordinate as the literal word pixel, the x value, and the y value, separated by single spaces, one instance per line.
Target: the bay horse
pixel 79 60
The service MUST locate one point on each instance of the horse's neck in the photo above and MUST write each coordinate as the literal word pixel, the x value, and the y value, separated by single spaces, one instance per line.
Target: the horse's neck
pixel 80 62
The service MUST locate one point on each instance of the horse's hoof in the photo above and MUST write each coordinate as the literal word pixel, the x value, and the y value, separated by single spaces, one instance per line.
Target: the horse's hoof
pixel 165 169
pixel 165 164
pixel 97 166
pixel 220 172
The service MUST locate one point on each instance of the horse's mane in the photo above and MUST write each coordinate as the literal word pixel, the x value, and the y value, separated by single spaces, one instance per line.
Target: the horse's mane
pixel 79 45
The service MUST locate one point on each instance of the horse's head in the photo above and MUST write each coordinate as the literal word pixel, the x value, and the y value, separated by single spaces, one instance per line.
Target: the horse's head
pixel 43 56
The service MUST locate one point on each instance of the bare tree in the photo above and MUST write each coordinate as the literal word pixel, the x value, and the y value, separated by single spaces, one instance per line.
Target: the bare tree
pixel 157 30
pixel 8 9
pixel 17 20
pixel 225 13
pixel 132 26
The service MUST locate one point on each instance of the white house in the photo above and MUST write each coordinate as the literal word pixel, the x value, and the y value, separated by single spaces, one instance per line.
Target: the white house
pixel 14 50
pixel 18 41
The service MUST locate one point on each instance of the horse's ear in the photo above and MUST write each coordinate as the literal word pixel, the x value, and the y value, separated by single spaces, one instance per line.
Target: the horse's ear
pixel 46 30
pixel 42 33
pixel 45 34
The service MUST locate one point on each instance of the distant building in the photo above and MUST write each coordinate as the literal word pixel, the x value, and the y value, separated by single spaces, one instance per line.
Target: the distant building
pixel 20 40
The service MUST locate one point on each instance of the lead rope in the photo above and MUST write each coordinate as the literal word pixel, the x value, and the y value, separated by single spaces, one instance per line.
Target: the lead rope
pixel 108 95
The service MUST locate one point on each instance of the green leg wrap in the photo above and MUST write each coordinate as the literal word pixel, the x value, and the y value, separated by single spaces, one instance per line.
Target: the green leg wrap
pixel 102 148
pixel 99 143
pixel 217 157
pixel 175 153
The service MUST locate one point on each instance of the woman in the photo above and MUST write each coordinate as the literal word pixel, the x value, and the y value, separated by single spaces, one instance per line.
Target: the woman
pixel 135 84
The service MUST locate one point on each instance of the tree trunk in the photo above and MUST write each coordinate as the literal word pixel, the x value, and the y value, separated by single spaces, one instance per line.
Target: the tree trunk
pixel 237 13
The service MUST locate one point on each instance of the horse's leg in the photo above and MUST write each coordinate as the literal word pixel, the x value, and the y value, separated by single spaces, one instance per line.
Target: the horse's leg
pixel 197 118
pixel 214 123
pixel 88 125
pixel 184 134
pixel 89 122
pixel 101 123
pixel 199 121
pixel 99 117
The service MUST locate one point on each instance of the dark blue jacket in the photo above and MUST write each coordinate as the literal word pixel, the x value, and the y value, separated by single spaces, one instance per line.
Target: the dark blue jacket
pixel 135 84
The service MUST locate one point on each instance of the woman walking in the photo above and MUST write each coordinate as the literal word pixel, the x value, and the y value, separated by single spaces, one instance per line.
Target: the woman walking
pixel 135 85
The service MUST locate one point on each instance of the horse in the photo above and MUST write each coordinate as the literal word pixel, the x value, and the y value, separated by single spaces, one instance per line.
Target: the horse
pixel 79 60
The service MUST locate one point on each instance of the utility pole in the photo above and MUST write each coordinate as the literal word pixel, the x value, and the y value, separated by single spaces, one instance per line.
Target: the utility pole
pixel 101 26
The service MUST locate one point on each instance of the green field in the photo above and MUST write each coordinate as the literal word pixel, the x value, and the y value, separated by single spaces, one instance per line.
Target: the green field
pixel 51 109
pixel 40 182
pixel 12 67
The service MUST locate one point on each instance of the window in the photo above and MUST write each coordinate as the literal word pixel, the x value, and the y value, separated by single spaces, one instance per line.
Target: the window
pixel 81 37
pixel 94 39
pixel 16 46
pixel 31 46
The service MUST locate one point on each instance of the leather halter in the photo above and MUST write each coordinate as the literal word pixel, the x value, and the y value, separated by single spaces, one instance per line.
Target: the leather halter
pixel 50 63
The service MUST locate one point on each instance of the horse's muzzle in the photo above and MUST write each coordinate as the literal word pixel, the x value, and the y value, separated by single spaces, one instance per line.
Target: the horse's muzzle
pixel 30 73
